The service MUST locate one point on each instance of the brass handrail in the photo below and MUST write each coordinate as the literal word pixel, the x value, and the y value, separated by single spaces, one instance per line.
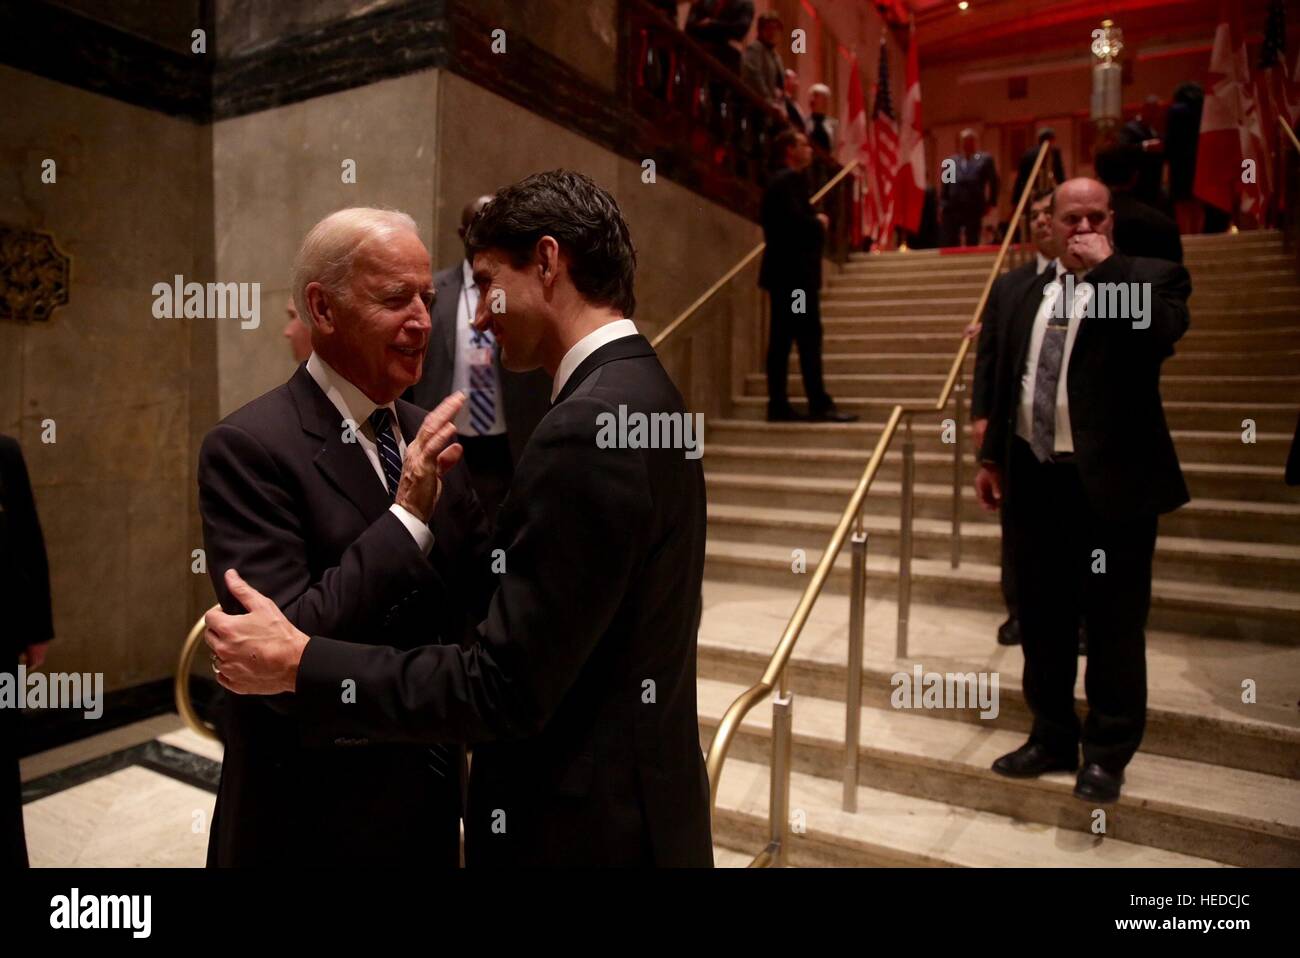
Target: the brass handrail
pixel 663 334
pixel 775 671
pixel 185 704
pixel 1289 132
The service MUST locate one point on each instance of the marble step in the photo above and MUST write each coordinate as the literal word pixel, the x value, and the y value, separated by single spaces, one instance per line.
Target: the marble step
pixel 934 464
pixel 1194 707
pixel 894 830
pixel 1242 390
pixel 1259 614
pixel 1230 519
pixel 1194 425
pixel 936 362
pixel 1191 808
pixel 945 341
pixel 1269 565
pixel 844 315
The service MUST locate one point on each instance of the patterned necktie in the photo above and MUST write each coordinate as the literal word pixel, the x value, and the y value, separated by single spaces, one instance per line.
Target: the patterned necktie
pixel 389 458
pixel 482 389
pixel 440 756
pixel 1047 377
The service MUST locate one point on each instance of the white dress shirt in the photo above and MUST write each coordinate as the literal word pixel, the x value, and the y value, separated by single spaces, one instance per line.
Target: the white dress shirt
pixel 356 406
pixel 586 346
pixel 1064 439
pixel 1042 262
pixel 466 304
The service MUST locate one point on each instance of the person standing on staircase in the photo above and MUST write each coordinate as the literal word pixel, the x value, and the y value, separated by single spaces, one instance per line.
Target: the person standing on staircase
pixel 968 189
pixel 1079 453
pixel 791 273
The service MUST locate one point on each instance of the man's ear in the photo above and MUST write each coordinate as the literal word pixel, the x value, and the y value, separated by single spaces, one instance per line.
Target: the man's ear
pixel 548 259
pixel 318 304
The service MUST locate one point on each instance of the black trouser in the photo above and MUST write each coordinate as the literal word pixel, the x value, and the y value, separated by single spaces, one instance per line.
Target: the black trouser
pixel 1055 538
pixel 788 328
pixel 13 842
pixel 1008 565
pixel 957 222
pixel 490 470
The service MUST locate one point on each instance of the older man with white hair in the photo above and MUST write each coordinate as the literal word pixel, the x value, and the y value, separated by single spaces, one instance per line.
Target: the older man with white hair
pixel 297 491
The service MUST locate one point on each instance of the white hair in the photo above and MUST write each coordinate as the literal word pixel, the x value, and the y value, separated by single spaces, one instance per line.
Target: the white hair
pixel 331 246
pixel 819 88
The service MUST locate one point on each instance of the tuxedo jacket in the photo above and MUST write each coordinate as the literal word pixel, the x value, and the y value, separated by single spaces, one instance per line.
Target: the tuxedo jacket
pixel 579 693
pixel 24 570
pixel 1003 298
pixel 303 516
pixel 1122 446
pixel 525 397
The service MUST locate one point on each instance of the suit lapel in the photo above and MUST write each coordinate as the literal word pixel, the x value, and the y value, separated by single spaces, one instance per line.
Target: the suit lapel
pixel 1031 298
pixel 447 305
pixel 344 464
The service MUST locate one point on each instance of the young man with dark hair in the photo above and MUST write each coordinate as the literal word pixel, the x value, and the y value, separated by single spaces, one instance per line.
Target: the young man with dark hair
pixel 579 690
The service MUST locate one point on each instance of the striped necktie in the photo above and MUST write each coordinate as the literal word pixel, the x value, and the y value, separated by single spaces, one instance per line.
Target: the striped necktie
pixel 1047 377
pixel 389 457
pixel 482 389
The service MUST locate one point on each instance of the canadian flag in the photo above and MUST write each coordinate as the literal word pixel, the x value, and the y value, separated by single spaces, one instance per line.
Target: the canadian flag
pixel 909 187
pixel 1230 126
pixel 853 144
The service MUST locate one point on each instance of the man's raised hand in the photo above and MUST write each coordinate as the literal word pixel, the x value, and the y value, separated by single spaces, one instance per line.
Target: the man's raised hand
pixel 429 457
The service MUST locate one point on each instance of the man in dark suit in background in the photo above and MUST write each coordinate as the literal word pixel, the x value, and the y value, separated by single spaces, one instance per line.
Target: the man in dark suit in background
pixel 1141 132
pixel 1140 230
pixel 580 689
pixel 791 272
pixel 502 408
pixel 1052 164
pixel 717 25
pixel 1002 299
pixel 968 188
pixel 1079 452
pixel 296 490
pixel 29 627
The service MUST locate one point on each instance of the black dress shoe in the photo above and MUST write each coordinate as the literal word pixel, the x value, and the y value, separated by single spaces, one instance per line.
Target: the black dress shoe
pixel 1083 641
pixel 832 414
pixel 1095 784
pixel 786 414
pixel 1009 632
pixel 1032 760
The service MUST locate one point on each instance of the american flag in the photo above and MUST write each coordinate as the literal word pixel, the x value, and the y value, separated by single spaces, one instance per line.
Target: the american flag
pixel 878 210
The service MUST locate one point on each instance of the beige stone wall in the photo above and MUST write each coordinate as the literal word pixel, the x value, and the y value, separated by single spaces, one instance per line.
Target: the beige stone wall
pixel 276 173
pixel 123 388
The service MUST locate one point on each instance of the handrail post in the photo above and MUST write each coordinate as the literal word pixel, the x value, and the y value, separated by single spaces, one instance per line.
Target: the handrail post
pixel 905 537
pixel 778 803
pixel 853 691
pixel 959 417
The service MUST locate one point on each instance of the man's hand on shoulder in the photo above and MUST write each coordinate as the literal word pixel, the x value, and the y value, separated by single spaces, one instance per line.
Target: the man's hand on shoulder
pixel 257 653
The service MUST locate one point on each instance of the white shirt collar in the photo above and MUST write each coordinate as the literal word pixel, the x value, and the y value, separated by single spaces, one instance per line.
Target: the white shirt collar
pixel 1043 261
pixel 466 275
pixel 350 401
pixel 587 345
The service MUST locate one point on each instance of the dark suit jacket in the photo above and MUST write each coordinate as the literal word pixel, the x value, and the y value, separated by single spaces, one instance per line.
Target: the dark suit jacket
pixel 1003 298
pixel 731 20
pixel 581 686
pixel 24 570
pixel 1122 446
pixel 1142 230
pixel 794 235
pixel 975 186
pixel 1027 166
pixel 525 396
pixel 303 517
